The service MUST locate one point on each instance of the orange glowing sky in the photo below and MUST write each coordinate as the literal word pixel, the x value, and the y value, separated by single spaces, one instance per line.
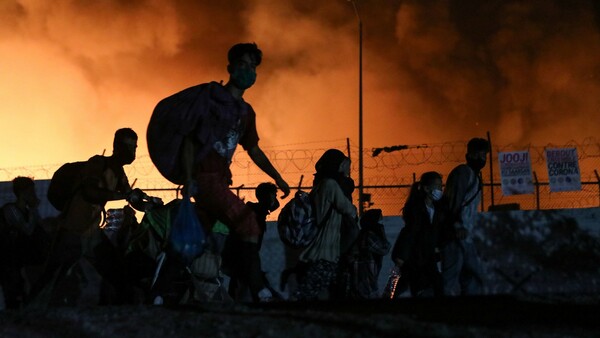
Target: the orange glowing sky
pixel 72 72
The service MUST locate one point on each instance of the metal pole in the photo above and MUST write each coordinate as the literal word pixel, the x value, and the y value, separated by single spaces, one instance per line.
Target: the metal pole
pixel 361 206
pixel 348 148
pixel 482 204
pixel 349 154
pixel 598 179
pixel 238 190
pixel 537 191
pixel 491 169
pixel 360 124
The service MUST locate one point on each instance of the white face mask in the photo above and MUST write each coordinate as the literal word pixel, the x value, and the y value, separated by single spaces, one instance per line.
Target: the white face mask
pixel 436 194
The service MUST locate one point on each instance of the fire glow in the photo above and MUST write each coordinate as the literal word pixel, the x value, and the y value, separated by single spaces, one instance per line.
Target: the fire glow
pixel 73 72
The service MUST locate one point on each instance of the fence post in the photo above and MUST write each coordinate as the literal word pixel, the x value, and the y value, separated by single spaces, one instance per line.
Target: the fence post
pixel 348 148
pixel 537 191
pixel 238 190
pixel 491 170
pixel 481 192
pixel 598 179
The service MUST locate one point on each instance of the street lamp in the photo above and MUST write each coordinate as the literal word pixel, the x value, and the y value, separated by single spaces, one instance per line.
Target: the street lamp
pixel 360 113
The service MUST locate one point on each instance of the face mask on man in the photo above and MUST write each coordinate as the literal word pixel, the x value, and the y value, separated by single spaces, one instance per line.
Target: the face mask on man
pixel 270 203
pixel 124 154
pixel 274 205
pixel 476 163
pixel 243 78
pixel 436 194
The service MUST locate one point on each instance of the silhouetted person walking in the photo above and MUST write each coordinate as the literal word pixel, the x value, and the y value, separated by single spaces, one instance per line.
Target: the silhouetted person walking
pixel 204 124
pixel 23 241
pixel 461 266
pixel 101 179
pixel 415 248
pixel 367 255
pixel 266 194
pixel 332 188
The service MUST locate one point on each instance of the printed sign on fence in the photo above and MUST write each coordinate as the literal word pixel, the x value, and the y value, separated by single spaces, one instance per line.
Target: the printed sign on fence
pixel 563 169
pixel 515 172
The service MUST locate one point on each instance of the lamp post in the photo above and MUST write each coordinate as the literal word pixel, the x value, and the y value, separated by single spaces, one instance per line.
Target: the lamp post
pixel 360 114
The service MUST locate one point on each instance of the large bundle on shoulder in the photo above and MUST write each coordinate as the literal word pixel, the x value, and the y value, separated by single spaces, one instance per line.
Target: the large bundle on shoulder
pixel 173 119
pixel 190 113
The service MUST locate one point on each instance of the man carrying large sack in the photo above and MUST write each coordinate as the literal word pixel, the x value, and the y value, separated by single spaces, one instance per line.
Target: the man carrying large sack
pixel 192 137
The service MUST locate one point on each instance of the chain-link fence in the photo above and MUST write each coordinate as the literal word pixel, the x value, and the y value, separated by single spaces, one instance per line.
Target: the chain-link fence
pixel 388 173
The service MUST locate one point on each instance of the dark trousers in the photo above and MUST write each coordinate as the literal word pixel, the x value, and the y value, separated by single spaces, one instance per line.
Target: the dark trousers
pixel 424 280
pixel 241 262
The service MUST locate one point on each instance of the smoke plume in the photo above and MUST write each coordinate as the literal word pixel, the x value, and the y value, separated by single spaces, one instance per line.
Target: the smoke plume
pixel 72 71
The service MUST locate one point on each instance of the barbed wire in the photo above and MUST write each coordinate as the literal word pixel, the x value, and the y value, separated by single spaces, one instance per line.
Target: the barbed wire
pixel 387 175
pixel 303 144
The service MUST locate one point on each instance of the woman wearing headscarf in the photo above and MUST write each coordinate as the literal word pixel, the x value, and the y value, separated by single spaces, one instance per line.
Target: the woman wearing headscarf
pixel 331 194
pixel 415 248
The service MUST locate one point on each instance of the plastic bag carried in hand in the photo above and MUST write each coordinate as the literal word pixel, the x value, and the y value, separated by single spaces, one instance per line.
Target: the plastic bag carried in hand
pixel 187 235
pixel 392 284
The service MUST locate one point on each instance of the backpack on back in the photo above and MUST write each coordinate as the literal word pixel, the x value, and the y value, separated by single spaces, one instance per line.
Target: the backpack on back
pixel 67 180
pixel 296 223
pixel 64 184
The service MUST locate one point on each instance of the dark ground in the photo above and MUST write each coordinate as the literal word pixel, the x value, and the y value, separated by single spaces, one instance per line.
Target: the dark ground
pixel 490 316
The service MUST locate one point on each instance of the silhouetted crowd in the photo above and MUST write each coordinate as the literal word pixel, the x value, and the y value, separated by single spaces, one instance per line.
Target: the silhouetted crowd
pixel 181 251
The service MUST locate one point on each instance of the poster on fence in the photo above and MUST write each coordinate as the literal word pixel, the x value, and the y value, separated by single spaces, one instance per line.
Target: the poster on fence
pixel 515 172
pixel 563 169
